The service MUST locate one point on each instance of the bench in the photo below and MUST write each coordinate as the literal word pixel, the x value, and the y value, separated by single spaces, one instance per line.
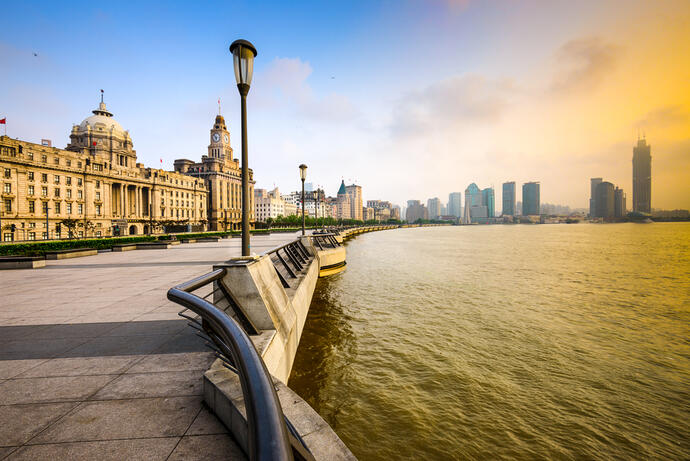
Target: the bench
pixel 22 262
pixel 125 247
pixel 71 253
pixel 153 246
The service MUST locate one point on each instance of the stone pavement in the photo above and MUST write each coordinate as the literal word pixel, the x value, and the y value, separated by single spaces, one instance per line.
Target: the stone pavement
pixel 95 363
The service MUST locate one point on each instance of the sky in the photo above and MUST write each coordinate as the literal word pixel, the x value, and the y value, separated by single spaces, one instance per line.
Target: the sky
pixel 409 99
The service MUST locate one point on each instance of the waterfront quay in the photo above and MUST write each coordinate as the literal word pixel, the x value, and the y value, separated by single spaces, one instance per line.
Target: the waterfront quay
pixel 96 363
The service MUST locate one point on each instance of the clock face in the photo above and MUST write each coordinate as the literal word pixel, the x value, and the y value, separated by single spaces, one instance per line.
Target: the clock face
pixel 226 139
pixel 216 137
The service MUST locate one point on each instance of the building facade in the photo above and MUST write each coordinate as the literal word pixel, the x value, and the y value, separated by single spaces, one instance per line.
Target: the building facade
pixel 343 203
pixel 455 204
pixel 489 200
pixel 474 207
pixel 642 177
pixel 593 183
pixel 434 207
pixel 530 199
pixel 415 211
pixel 619 209
pixel 605 200
pixel 222 175
pixel 355 193
pixel 268 204
pixel 508 199
pixel 92 188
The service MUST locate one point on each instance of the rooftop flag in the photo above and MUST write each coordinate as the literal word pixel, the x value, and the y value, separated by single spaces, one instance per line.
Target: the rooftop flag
pixel 3 121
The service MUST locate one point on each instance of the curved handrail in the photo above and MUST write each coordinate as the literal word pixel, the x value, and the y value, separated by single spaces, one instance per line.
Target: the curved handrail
pixel 267 436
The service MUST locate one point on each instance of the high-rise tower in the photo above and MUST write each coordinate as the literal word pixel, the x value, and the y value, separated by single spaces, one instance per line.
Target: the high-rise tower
pixel 642 177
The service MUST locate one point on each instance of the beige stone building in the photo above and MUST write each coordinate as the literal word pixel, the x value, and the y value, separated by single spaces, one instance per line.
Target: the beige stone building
pixel 343 203
pixel 96 181
pixel 222 175
pixel 355 193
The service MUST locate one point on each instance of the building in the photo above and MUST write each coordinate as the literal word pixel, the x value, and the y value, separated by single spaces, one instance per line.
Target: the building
pixel 605 200
pixel 642 177
pixel 222 175
pixel 489 200
pixel 509 199
pixel 474 207
pixel 619 203
pixel 415 211
pixel 593 183
pixel 92 188
pixel 395 212
pixel 434 207
pixel 355 194
pixel 268 204
pixel 343 203
pixel 455 204
pixel 530 199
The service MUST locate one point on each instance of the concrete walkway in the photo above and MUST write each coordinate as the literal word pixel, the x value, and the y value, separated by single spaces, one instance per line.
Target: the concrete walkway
pixel 95 363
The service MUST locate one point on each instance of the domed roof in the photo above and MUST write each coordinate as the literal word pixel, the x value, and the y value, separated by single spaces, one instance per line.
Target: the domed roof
pixel 101 118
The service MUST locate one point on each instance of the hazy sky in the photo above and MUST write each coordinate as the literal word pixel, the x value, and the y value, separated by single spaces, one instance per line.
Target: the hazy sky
pixel 410 99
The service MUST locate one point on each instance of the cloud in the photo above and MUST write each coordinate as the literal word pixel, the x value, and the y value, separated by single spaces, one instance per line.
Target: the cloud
pixel 583 63
pixel 663 117
pixel 467 99
pixel 289 77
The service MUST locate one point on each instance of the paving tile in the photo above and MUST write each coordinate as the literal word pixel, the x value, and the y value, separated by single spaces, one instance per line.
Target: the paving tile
pixel 4 451
pixel 12 332
pixel 80 366
pixel 187 341
pixel 12 368
pixel 169 383
pixel 174 362
pixel 122 419
pixel 207 447
pixel 109 450
pixel 158 327
pixel 53 389
pixel 206 423
pixel 38 319
pixel 37 348
pixel 18 423
pixel 117 345
pixel 72 330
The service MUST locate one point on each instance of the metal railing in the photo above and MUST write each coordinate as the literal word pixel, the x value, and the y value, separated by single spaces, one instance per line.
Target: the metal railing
pixel 293 257
pixel 271 436
pixel 325 240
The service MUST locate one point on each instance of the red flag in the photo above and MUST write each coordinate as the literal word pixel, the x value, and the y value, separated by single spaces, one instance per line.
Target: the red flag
pixel 3 121
pixel 94 143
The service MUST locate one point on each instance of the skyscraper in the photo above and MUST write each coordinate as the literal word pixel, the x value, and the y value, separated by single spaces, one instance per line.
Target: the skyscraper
pixel 642 177
pixel 355 194
pixel 605 200
pixel 455 204
pixel 473 204
pixel 434 206
pixel 619 203
pixel 509 198
pixel 489 201
pixel 530 199
pixel 593 183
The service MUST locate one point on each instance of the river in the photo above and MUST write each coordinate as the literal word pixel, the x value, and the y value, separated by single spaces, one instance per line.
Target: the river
pixel 505 342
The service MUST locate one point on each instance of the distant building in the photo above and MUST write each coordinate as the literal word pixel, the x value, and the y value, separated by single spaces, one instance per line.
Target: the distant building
pixel 509 199
pixel 605 200
pixel 489 201
pixel 355 194
pixel 434 207
pixel 368 213
pixel 619 203
pixel 530 199
pixel 455 204
pixel 343 203
pixel 642 177
pixel 593 183
pixel 395 212
pixel 474 206
pixel 268 204
pixel 415 211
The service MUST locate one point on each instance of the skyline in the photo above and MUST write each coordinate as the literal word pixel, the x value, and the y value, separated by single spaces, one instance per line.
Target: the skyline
pixel 554 94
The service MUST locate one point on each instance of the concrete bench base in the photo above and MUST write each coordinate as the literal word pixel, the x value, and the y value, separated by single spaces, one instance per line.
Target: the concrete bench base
pixel 22 262
pixel 68 254
pixel 153 246
pixel 125 247
pixel 189 240
pixel 208 239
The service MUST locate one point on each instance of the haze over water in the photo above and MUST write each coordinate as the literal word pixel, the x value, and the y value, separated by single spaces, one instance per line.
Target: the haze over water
pixel 511 342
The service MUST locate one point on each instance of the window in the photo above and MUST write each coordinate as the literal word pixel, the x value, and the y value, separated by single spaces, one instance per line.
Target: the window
pixel 8 173
pixel 30 155
pixel 98 233
pixel 44 235
pixel 98 210
pixel 30 190
pixel 44 158
pixel 57 208
pixel 7 237
pixel 80 208
pixel 44 177
pixel 7 188
pixel 68 180
pixel 98 195
pixel 69 162
pixel 32 206
pixel 98 184
pixel 78 164
pixel 79 182
pixel 30 176
pixel 80 194
pixel 97 167
pixel 56 179
pixel 57 191
pixel 32 235
pixel 69 193
pixel 8 205
pixel 44 191
pixel 81 234
pixel 56 160
pixel 32 225
pixel 45 209
pixel 68 208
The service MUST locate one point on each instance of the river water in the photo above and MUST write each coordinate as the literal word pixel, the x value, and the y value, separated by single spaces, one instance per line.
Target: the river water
pixel 505 342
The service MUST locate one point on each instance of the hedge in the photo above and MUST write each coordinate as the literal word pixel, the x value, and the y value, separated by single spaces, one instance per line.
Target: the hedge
pixel 40 248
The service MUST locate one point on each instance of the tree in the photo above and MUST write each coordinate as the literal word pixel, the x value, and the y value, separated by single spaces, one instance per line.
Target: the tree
pixel 87 225
pixel 71 225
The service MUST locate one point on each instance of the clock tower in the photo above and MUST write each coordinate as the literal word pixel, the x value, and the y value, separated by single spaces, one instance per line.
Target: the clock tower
pixel 220 141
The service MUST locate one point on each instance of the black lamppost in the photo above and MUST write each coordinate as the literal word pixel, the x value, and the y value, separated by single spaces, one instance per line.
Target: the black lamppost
pixel 243 54
pixel 303 176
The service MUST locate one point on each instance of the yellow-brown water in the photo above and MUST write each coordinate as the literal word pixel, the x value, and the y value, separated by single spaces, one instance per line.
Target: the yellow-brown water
pixel 505 342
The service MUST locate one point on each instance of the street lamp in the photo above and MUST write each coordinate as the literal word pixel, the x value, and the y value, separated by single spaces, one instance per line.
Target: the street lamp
pixel 303 176
pixel 243 54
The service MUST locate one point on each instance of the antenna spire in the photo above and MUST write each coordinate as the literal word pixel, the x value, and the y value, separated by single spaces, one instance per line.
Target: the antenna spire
pixel 101 96
pixel 218 106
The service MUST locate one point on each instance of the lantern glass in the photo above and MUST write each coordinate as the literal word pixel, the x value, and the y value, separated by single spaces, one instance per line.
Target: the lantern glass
pixel 243 54
pixel 303 171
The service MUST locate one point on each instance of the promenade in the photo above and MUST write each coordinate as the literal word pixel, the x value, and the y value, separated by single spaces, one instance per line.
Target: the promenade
pixel 96 363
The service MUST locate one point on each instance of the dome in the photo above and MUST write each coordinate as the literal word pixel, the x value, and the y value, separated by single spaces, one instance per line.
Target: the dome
pixel 102 119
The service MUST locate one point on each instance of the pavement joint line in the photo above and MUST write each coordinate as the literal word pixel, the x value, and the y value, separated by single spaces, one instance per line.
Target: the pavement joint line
pixel 184 433
pixel 102 440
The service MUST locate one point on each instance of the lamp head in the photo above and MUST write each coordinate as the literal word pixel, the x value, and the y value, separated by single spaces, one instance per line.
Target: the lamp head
pixel 303 171
pixel 243 53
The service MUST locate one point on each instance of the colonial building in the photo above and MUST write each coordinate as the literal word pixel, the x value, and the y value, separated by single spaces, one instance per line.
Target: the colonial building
pixel 95 184
pixel 269 204
pixel 343 203
pixel 223 177
pixel 355 193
